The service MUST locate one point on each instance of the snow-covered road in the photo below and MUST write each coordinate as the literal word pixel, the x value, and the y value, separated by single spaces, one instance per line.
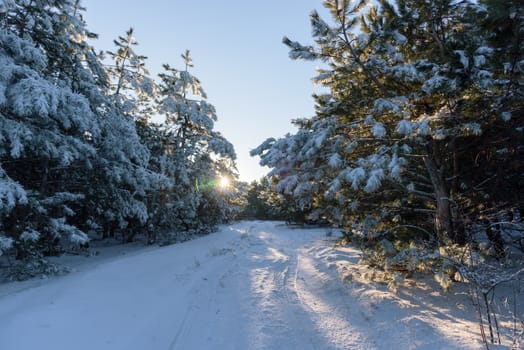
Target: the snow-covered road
pixel 253 285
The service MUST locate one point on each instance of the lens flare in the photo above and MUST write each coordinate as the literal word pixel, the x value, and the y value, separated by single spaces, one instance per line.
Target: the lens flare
pixel 223 182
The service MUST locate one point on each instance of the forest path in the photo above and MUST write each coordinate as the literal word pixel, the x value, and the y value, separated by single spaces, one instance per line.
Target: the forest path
pixel 253 285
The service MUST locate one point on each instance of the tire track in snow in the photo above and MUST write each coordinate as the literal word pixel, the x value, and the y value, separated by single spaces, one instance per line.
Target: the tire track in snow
pixel 317 292
pixel 291 325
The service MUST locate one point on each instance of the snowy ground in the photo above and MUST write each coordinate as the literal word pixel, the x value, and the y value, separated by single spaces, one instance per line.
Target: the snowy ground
pixel 253 285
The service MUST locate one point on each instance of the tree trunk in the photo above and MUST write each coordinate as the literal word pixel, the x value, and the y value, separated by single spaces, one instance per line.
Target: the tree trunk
pixel 45 176
pixel 443 218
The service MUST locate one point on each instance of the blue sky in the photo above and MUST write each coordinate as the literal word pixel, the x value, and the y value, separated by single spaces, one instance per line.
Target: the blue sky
pixel 238 55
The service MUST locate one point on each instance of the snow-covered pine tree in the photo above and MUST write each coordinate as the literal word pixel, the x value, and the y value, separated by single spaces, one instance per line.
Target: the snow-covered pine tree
pixel 70 160
pixel 123 173
pixel 131 87
pixel 191 153
pixel 133 92
pixel 43 126
pixel 411 85
pixel 116 179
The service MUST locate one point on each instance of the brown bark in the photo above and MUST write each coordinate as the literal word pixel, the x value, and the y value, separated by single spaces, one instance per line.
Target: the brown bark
pixel 443 218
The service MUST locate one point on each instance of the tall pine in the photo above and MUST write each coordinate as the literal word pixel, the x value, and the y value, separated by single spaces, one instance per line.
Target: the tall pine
pixel 412 86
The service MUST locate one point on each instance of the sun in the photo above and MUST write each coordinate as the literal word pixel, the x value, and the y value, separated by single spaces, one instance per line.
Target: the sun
pixel 224 182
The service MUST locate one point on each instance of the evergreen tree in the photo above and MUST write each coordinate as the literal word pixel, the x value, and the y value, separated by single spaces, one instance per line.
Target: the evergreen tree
pixel 192 154
pixel 46 125
pixel 71 162
pixel 257 207
pixel 132 88
pixel 412 85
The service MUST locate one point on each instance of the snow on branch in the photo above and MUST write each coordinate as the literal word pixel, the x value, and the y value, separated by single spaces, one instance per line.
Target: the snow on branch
pixel 298 51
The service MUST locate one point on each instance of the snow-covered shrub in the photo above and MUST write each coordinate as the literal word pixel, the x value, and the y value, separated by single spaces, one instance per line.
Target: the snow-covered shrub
pixel 36 267
pixel 6 243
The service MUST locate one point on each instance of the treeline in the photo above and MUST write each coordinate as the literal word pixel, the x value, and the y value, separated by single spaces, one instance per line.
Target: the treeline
pixel 419 144
pixel 80 156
